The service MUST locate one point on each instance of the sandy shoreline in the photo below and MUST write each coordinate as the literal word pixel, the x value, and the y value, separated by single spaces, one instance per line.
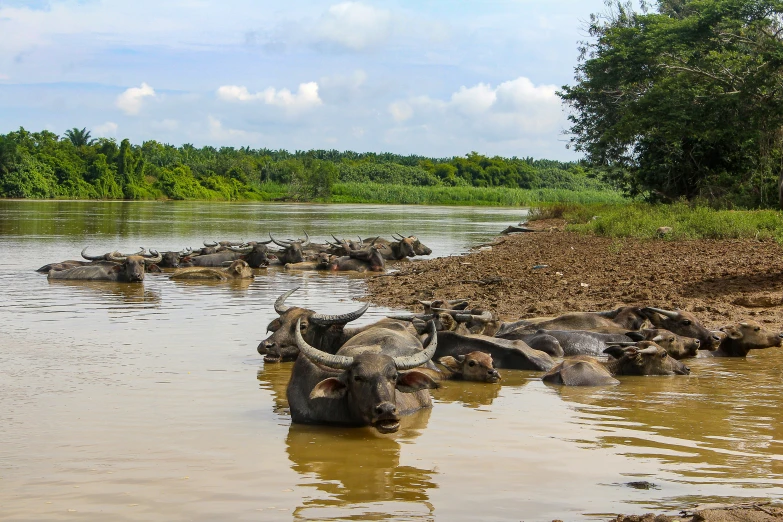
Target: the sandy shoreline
pixel 553 272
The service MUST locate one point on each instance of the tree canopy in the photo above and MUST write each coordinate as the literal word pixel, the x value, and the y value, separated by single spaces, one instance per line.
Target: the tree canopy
pixel 684 100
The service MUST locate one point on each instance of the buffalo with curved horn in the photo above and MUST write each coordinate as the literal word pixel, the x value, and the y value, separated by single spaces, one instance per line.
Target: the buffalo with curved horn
pixel 292 250
pixel 372 380
pixel 124 269
pixel 325 332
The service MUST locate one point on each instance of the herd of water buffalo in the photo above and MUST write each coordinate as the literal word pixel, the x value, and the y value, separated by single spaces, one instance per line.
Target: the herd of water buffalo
pixel 373 375
pixel 226 260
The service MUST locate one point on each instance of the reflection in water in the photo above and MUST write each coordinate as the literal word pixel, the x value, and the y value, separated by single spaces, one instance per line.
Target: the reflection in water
pixel 360 472
pixel 124 293
pixel 705 428
pixel 274 377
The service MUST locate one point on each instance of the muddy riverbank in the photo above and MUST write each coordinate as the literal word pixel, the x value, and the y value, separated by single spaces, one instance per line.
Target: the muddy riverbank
pixel 552 272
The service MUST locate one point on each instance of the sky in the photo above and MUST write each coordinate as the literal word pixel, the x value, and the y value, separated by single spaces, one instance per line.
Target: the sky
pixel 438 78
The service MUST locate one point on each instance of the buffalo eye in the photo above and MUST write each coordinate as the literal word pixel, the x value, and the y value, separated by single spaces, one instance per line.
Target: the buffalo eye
pixel 756 329
pixel 303 326
pixel 357 378
pixel 686 322
pixel 472 364
pixel 663 355
pixel 671 339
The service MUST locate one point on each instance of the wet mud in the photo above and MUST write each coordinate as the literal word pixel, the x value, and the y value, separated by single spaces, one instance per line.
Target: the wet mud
pixel 550 272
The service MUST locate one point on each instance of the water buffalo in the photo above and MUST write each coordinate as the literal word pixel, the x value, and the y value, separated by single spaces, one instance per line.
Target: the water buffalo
pixel 326 332
pixel 173 259
pixel 371 381
pixel 513 355
pixel 392 252
pixel 322 261
pixel 239 269
pixel 623 319
pixel 677 346
pixel 743 337
pixel 256 253
pixel 474 366
pixel 571 342
pixel 217 259
pixel 292 249
pixel 682 323
pixel 125 269
pixel 647 358
pixel 369 259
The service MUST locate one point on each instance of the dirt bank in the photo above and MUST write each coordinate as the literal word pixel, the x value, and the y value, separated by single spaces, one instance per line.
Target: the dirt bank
pixel 715 513
pixel 551 272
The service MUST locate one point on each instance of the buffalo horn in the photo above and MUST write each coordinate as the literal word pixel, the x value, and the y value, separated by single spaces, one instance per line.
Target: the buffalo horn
pixel 279 243
pixel 212 244
pixel 326 320
pixel 280 306
pixel 649 350
pixel 91 258
pixel 335 239
pixel 185 252
pixel 410 317
pixel 667 313
pixel 241 250
pixel 417 359
pixel 338 362
pixel 153 257
pixel 116 256
pixel 397 236
pixel 307 240
pixel 461 315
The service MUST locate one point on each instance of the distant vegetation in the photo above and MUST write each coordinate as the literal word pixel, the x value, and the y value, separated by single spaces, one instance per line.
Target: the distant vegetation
pixel 75 166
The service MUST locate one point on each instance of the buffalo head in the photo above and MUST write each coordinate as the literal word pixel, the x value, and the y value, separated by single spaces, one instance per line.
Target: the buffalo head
pixel 474 366
pixel 646 358
pixel 682 323
pixel 318 329
pixel 368 382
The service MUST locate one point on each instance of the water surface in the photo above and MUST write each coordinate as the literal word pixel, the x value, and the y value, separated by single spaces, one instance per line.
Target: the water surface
pixel 149 401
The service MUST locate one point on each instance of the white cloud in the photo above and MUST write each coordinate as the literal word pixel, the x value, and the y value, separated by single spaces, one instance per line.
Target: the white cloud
pixel 106 130
pixel 354 26
pixel 514 110
pixel 130 101
pixel 220 133
pixel 167 125
pixel 400 111
pixel 306 97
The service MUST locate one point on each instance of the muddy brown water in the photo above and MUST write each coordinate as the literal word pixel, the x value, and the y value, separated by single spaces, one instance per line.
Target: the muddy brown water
pixel 149 401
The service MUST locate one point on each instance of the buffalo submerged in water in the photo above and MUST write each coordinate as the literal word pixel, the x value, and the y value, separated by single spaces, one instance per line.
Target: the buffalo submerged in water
pixel 372 380
pixel 123 269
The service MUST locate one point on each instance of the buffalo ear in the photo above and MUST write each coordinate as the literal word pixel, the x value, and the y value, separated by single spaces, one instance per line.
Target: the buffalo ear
pixel 635 336
pixel 733 333
pixel 116 268
pixel 331 388
pixel 413 381
pixel 615 351
pixel 274 325
pixel 450 363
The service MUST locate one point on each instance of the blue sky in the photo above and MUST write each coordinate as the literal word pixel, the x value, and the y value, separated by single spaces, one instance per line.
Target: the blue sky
pixel 437 78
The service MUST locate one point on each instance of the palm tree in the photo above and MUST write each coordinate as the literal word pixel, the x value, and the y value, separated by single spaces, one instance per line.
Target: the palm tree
pixel 79 137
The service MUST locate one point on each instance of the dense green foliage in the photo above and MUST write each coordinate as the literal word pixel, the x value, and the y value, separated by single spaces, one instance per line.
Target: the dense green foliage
pixel 642 220
pixel 43 165
pixel 686 100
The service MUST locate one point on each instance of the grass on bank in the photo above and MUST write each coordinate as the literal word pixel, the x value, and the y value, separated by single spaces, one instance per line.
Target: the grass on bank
pixel 641 220
pixel 479 196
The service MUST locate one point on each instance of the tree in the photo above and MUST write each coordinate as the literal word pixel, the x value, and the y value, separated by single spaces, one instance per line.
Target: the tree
pixel 79 138
pixel 685 101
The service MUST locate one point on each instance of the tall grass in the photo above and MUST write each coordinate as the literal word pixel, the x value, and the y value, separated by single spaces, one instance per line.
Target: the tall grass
pixel 642 221
pixel 479 196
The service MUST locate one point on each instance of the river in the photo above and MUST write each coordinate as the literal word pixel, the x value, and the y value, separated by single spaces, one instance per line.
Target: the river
pixel 149 401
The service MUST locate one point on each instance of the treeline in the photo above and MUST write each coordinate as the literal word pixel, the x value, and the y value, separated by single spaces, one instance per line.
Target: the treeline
pixel 74 166
pixel 684 99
